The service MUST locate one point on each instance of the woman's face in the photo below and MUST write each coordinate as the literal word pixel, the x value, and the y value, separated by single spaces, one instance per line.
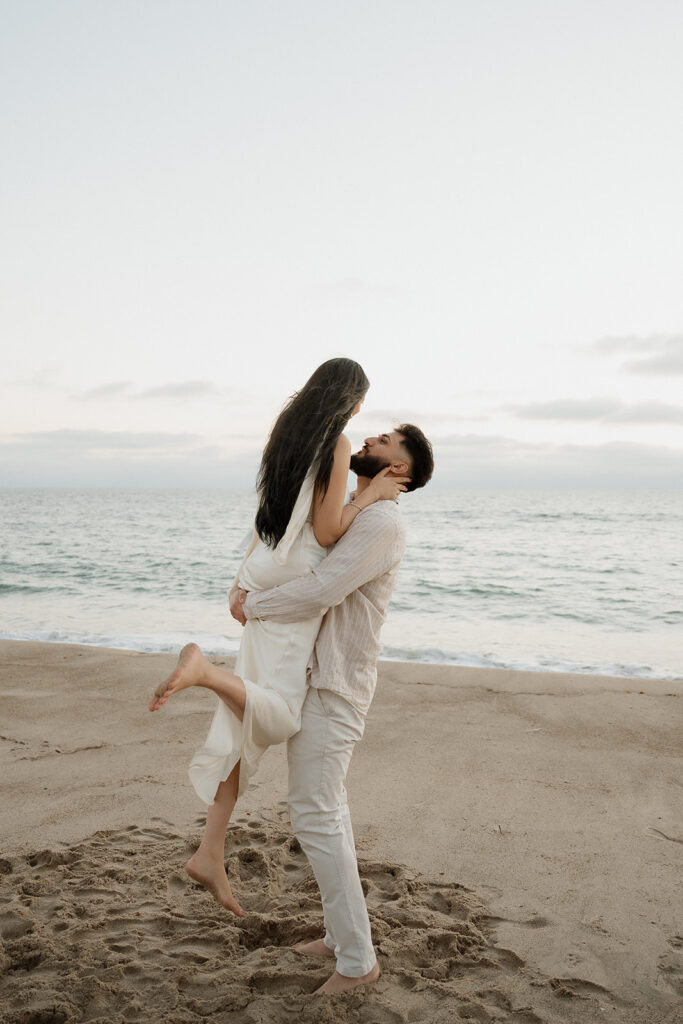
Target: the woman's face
pixel 357 407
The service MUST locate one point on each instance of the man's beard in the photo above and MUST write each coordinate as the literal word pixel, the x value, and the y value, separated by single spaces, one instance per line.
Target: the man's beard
pixel 367 465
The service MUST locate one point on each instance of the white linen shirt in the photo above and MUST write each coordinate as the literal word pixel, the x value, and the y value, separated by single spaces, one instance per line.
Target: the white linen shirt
pixel 353 585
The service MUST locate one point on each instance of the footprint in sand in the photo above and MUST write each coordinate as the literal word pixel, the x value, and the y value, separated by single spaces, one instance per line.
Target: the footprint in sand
pixel 670 966
pixel 13 926
pixel 112 926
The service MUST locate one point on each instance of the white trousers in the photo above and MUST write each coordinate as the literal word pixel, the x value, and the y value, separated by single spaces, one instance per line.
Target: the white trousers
pixel 319 756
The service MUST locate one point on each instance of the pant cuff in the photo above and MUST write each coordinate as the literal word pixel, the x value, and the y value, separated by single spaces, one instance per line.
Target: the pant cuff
pixel 353 971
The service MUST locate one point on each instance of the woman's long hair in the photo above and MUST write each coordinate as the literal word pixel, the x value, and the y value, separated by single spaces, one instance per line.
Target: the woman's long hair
pixel 305 433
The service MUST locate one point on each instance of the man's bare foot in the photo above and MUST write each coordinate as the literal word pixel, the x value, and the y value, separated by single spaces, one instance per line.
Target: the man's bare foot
pixel 315 948
pixel 211 874
pixel 188 672
pixel 340 983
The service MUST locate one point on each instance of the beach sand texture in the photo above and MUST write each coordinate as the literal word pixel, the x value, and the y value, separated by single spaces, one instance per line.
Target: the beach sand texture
pixel 520 842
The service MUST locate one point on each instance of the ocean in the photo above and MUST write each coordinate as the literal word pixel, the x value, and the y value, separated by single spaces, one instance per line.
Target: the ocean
pixel 588 582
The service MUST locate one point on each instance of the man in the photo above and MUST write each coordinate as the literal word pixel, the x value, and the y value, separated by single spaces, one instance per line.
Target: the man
pixel 354 583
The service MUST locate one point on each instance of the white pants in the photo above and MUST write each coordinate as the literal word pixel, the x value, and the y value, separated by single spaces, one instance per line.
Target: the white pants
pixel 319 756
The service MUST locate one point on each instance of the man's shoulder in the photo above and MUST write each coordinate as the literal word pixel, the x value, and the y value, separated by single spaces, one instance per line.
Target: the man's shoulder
pixel 385 516
pixel 385 507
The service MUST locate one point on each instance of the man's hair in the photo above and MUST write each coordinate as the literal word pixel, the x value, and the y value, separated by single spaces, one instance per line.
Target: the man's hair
pixel 421 456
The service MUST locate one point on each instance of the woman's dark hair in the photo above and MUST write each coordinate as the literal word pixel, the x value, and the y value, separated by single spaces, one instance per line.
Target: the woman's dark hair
pixel 305 433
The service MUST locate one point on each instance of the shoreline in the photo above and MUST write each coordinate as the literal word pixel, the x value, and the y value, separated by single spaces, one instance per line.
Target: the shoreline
pixel 644 673
pixel 553 798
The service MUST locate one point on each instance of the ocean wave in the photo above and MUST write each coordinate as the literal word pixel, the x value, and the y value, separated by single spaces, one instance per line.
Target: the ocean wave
pixel 172 642
pixel 433 655
pixel 144 643
pixel 8 589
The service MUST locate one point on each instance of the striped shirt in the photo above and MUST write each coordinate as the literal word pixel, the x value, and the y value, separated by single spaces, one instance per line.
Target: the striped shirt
pixel 352 585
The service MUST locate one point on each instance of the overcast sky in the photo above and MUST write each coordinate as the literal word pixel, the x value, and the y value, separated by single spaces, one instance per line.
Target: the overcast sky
pixel 480 201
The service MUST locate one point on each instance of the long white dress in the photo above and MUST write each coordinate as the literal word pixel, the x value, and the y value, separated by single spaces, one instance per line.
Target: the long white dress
pixel 271 662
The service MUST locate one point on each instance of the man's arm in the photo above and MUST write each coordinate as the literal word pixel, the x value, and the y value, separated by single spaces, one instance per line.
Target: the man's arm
pixel 371 546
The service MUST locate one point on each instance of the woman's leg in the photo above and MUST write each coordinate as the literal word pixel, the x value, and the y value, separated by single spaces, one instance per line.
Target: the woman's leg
pixel 193 669
pixel 207 865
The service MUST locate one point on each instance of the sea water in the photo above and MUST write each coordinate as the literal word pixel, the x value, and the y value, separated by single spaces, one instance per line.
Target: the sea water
pixel 541 580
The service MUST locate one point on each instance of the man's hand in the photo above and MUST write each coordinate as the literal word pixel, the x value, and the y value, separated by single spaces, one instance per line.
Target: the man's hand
pixel 237 599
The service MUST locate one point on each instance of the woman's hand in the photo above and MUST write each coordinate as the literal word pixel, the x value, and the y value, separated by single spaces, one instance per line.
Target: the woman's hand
pixel 385 488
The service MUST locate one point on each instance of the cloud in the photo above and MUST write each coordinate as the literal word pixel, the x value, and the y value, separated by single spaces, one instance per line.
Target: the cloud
pixel 176 389
pixel 116 389
pixel 94 458
pixel 183 389
pixel 660 353
pixel 45 378
pixel 383 418
pixel 601 410
pixel 626 343
pixel 476 461
pixel 354 286
pixel 565 409
pixel 661 363
pixel 102 441
pixel 97 458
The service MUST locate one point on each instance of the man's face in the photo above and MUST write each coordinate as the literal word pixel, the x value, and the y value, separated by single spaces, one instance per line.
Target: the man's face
pixel 379 452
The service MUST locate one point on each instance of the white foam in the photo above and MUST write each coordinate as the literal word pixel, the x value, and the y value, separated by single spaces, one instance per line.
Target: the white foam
pixel 171 643
pixel 537 664
pixel 145 643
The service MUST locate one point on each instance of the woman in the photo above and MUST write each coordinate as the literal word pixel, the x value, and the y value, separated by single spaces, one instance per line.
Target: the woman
pixel 302 486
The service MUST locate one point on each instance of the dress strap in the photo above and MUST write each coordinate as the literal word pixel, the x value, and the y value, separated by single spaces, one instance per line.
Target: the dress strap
pixel 297 520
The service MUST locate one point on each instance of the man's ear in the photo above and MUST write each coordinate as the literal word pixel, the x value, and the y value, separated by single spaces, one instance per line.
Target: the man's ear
pixel 399 469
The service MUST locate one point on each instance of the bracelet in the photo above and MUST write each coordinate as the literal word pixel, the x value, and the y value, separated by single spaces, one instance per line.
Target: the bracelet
pixel 359 507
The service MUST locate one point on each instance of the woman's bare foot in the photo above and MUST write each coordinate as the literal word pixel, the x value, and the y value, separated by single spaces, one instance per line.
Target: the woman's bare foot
pixel 340 983
pixel 188 672
pixel 211 874
pixel 315 948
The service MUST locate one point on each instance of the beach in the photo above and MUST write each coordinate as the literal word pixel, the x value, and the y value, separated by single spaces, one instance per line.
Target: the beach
pixel 519 834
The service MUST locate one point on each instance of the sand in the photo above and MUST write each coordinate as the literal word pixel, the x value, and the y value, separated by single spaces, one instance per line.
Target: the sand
pixel 520 842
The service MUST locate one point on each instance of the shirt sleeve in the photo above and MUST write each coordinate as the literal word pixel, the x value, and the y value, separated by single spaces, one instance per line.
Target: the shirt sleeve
pixel 371 546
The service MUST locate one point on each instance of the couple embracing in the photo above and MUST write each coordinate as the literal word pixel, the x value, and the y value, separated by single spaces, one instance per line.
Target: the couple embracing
pixel 311 593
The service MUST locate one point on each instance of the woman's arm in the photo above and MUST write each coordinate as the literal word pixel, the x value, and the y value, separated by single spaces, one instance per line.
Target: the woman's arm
pixel 331 517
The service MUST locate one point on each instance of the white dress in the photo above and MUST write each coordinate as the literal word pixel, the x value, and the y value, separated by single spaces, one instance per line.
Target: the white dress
pixel 271 662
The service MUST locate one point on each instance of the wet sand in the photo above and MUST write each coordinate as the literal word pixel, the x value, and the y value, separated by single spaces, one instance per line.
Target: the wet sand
pixel 520 841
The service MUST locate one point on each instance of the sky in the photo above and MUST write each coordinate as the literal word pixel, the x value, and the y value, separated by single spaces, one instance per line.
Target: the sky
pixel 479 201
